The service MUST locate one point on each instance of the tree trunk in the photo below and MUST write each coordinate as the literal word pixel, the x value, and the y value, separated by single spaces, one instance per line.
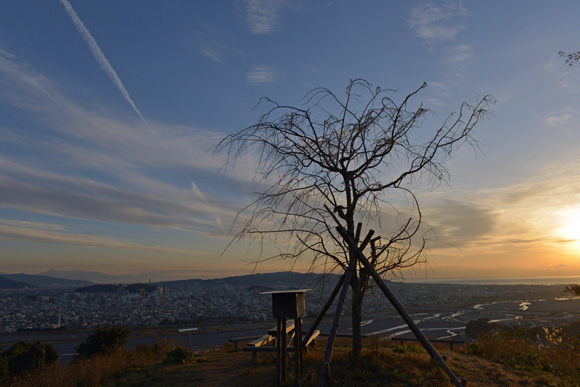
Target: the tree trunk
pixel 357 297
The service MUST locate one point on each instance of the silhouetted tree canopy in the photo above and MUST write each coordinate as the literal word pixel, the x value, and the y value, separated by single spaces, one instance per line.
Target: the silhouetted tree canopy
pixel 104 340
pixel 357 153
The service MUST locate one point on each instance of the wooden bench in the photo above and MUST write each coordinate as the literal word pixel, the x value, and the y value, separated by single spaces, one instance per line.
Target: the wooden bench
pixel 267 343
pixel 237 340
pixel 254 346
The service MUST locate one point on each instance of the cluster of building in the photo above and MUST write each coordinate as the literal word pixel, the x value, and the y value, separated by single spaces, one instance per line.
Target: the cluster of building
pixel 54 308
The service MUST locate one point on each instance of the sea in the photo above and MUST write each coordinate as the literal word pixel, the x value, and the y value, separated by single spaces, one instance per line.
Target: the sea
pixel 497 281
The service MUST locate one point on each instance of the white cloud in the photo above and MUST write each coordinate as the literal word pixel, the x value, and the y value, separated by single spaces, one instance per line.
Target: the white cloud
pixel 435 23
pixel 558 121
pixel 262 74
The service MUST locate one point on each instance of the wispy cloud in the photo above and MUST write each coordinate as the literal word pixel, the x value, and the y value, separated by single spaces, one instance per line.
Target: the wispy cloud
pixel 460 53
pixel 262 74
pixel 27 234
pixel 36 225
pixel 160 206
pixel 197 191
pixel 559 120
pixel 526 213
pixel 209 44
pixel 134 179
pixel 437 22
pixel 262 16
pixel 100 57
pixel 457 222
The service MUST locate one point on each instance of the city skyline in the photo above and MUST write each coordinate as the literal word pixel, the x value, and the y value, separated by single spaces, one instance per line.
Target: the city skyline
pixel 110 111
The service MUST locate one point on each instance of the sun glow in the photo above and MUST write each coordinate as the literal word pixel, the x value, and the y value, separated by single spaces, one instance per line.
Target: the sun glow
pixel 571 229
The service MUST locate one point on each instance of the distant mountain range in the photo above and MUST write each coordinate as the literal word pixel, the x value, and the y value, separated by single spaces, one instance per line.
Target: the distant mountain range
pixel 90 276
pixel 6 283
pixel 109 288
pixel 21 280
pixel 79 278
pixel 278 280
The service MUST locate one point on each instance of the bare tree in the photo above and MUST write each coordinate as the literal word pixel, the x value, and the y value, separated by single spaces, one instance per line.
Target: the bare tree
pixel 354 154
pixel 571 57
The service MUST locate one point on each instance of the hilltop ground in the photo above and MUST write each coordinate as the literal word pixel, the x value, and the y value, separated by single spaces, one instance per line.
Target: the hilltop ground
pixel 383 364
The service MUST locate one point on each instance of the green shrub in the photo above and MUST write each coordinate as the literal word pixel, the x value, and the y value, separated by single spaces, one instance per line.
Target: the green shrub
pixel 103 341
pixel 408 349
pixel 22 357
pixel 477 327
pixel 179 355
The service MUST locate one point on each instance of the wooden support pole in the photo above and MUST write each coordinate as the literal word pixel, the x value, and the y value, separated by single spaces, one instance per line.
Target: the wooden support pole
pixel 324 376
pixel 324 310
pixel 402 312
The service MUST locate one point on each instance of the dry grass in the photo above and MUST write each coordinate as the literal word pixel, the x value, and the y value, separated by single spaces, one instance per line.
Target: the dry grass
pixel 93 371
pixel 381 364
pixel 495 361
pixel 552 352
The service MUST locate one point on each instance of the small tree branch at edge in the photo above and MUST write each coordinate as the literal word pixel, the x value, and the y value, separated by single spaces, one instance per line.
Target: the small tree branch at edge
pixel 357 154
pixel 574 289
pixel 570 57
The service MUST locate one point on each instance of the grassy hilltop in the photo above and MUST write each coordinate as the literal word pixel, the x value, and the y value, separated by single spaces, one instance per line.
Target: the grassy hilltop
pixel 507 358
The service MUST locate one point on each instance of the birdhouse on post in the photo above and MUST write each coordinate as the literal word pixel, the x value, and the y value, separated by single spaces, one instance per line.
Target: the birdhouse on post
pixel 288 304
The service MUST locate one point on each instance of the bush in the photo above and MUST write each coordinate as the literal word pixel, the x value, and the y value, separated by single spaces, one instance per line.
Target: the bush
pixel 179 355
pixel 103 341
pixel 477 327
pixel 22 357
pixel 408 349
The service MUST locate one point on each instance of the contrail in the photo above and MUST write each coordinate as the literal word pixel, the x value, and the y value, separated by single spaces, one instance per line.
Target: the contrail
pixel 99 56
pixel 196 190
pixel 202 196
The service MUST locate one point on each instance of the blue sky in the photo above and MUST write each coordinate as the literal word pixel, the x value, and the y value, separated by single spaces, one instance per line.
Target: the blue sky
pixel 108 109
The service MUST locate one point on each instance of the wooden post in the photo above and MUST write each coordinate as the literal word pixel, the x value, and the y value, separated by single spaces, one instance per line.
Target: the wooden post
pixel 188 330
pixel 278 351
pixel 288 304
pixel 298 349
pixel 283 348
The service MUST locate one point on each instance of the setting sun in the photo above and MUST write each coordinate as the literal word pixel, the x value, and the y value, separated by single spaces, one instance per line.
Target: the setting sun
pixel 571 228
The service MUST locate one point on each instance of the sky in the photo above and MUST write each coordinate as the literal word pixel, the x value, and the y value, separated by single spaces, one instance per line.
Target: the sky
pixel 109 111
